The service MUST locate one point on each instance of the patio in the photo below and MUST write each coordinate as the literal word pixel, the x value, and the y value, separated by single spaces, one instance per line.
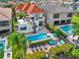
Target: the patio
pixel 43 30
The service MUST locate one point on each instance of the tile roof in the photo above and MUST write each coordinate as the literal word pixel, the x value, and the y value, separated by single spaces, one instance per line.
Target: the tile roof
pixel 20 6
pixel 29 8
pixel 26 6
pixel 5 13
pixel 34 9
pixel 51 8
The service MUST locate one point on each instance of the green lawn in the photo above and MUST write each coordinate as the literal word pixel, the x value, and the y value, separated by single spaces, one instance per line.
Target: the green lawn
pixel 75 19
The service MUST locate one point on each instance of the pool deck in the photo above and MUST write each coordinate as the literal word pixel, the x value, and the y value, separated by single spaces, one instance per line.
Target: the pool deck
pixel 65 25
pixel 43 30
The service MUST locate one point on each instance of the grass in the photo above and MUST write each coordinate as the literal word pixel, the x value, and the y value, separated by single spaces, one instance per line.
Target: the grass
pixel 75 19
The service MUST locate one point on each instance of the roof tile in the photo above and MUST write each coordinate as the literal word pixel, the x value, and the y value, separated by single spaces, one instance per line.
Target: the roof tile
pixel 29 8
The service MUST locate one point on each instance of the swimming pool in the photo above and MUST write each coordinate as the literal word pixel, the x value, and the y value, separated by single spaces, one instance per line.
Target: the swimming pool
pixel 2 44
pixel 40 36
pixel 67 28
pixel 52 42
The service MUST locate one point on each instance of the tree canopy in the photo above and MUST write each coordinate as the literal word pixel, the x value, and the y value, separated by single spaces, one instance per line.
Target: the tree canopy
pixel 75 52
pixel 75 19
pixel 18 44
pixel 36 55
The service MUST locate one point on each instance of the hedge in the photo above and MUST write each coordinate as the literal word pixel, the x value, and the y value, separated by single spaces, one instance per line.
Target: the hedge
pixel 60 32
pixel 40 42
pixel 1 53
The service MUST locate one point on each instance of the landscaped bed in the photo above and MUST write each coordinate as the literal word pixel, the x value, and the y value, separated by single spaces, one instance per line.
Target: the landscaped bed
pixel 40 42
pixel 56 29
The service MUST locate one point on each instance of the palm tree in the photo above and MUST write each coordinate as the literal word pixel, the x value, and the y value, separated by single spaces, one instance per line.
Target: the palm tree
pixel 22 15
pixel 18 44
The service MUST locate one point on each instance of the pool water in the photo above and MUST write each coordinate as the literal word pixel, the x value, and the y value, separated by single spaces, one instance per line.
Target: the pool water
pixel 52 42
pixel 2 43
pixel 39 36
pixel 67 28
pixel 62 41
pixel 1 46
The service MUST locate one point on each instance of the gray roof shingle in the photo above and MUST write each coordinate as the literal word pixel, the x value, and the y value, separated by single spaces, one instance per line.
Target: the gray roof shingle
pixel 52 8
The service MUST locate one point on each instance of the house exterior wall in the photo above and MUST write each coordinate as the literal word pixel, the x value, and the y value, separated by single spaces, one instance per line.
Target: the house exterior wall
pixel 62 16
pixel 37 18
pixel 5 26
pixel 29 28
pixel 49 18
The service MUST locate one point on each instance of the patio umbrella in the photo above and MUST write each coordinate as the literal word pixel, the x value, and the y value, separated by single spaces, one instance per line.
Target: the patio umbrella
pixel 75 38
pixel 70 37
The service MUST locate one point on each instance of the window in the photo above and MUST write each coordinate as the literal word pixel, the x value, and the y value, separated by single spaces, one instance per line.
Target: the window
pixel 56 23
pixel 23 28
pixel 69 15
pixel 56 16
pixel 75 0
pixel 68 21
pixel 40 23
pixel 62 22
pixel 1 23
pixel 32 18
pixel 4 23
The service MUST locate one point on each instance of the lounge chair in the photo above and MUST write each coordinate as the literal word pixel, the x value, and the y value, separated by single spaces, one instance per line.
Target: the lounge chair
pixel 8 54
pixel 45 47
pixel 42 47
pixel 58 44
pixel 32 49
pixel 38 48
pixel 53 46
pixel 62 41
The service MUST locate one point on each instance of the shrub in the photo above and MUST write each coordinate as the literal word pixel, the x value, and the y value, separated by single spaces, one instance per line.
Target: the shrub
pixel 40 42
pixel 75 53
pixel 65 48
pixel 60 32
pixel 36 55
pixel 56 29
pixel 1 53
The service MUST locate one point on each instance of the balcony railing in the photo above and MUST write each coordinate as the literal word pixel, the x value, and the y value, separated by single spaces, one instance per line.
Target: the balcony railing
pixel 4 27
pixel 1 25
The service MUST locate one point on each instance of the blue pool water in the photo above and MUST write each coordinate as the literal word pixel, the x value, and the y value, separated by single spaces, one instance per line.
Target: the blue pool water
pixel 2 43
pixel 1 46
pixel 62 41
pixel 52 42
pixel 67 28
pixel 39 36
pixel 54 34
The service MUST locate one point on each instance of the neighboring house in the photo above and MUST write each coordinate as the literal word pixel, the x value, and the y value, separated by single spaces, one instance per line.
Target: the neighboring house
pixel 5 20
pixel 54 0
pixel 56 14
pixel 25 26
pixel 76 0
pixel 34 14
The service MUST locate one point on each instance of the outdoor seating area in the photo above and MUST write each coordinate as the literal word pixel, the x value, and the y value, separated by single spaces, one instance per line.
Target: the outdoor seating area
pixel 73 39
pixel 55 41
